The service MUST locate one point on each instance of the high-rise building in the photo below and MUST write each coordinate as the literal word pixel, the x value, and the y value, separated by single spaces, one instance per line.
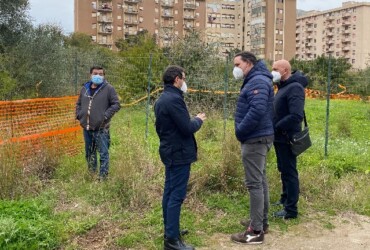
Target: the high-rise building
pixel 340 32
pixel 265 27
pixel 269 28
pixel 108 20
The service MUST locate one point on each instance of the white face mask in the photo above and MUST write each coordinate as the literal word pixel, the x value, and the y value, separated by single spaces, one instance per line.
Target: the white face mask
pixel 238 73
pixel 276 76
pixel 184 87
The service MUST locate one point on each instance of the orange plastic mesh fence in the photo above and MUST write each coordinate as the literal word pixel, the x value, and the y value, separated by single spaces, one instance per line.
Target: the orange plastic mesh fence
pixel 30 127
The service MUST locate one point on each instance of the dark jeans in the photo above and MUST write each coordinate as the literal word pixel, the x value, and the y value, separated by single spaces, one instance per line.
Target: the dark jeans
pixel 287 165
pixel 175 184
pixel 97 140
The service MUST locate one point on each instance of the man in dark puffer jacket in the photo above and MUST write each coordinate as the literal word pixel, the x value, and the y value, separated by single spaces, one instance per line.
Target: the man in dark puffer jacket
pixel 254 130
pixel 288 116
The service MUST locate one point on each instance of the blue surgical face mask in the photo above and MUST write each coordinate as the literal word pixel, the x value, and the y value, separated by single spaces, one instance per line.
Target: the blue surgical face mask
pixel 97 79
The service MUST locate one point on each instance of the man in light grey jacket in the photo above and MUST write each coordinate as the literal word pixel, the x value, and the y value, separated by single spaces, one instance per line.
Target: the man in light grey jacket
pixel 96 105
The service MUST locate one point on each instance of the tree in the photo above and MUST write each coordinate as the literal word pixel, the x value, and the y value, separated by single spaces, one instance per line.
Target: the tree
pixel 14 21
pixel 318 71
pixel 131 69
pixel 79 40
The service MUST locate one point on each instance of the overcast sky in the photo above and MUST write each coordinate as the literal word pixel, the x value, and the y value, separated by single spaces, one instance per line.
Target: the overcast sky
pixel 60 12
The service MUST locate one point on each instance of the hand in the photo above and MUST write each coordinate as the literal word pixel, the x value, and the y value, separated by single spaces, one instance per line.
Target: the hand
pixel 201 116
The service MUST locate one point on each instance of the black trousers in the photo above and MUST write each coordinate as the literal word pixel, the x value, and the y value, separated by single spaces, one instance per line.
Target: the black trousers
pixel 287 166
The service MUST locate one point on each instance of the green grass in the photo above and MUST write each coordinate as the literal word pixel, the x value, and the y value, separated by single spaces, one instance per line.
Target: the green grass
pixel 72 210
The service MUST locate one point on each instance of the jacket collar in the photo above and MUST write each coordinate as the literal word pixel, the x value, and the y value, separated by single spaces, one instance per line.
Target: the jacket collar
pixel 173 89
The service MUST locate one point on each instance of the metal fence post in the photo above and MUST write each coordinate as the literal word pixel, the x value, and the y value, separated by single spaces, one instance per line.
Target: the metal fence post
pixel 226 88
pixel 76 72
pixel 148 101
pixel 327 108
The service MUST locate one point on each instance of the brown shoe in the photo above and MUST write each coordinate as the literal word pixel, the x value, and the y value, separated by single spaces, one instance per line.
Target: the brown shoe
pixel 248 237
pixel 247 223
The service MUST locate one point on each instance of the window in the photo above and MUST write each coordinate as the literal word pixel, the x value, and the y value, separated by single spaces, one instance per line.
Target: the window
pixel 353 61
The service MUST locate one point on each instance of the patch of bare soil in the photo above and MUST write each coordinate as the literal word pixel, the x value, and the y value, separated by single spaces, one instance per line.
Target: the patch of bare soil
pixel 99 237
pixel 349 231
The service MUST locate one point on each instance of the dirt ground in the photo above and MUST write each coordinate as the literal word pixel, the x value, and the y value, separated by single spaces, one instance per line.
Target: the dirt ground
pixel 349 231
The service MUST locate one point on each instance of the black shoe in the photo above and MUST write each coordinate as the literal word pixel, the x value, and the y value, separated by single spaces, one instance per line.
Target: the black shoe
pixel 246 224
pixel 176 244
pixel 282 214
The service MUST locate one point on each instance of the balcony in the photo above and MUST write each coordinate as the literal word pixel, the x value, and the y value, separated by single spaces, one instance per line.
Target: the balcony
pixel 330 42
pixel 104 19
pixel 309 22
pixel 347 56
pixel 190 6
pixel 346 23
pixel 297 38
pixel 131 22
pixel 330 50
pixel 167 15
pixel 330 18
pixel 167 4
pixel 105 30
pixel 309 37
pixel 257 5
pixel 330 34
pixel 309 30
pixel 346 40
pixel 330 26
pixel 346 15
pixel 130 33
pixel 346 32
pixel 105 8
pixel 132 1
pixel 189 17
pixel 167 25
pixel 130 11
pixel 308 52
pixel 188 27
pixel 105 42
pixel 346 48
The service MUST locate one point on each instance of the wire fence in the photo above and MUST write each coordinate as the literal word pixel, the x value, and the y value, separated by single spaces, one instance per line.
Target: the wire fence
pixel 138 79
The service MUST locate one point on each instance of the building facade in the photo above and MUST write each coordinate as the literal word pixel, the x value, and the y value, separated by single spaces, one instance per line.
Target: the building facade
pixel 340 32
pixel 265 27
pixel 108 20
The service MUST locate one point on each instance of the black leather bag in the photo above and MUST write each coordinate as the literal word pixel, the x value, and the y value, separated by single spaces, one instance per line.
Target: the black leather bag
pixel 301 141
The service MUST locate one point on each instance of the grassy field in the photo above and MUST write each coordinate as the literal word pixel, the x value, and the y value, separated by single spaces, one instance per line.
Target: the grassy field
pixel 69 209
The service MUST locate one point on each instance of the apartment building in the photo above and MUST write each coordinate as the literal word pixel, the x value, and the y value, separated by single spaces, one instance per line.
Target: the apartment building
pixel 108 20
pixel 269 28
pixel 339 32
pixel 265 27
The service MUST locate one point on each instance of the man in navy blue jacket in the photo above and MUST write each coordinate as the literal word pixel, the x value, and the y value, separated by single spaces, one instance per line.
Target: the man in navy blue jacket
pixel 254 130
pixel 288 116
pixel 177 149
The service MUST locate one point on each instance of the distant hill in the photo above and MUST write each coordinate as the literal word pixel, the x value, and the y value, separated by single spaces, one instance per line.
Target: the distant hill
pixel 301 12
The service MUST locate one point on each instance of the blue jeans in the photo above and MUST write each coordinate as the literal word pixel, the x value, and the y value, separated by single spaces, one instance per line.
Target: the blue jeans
pixel 97 140
pixel 287 166
pixel 176 181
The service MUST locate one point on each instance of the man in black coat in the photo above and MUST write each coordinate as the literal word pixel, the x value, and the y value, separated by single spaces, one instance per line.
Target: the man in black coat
pixel 288 116
pixel 177 149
